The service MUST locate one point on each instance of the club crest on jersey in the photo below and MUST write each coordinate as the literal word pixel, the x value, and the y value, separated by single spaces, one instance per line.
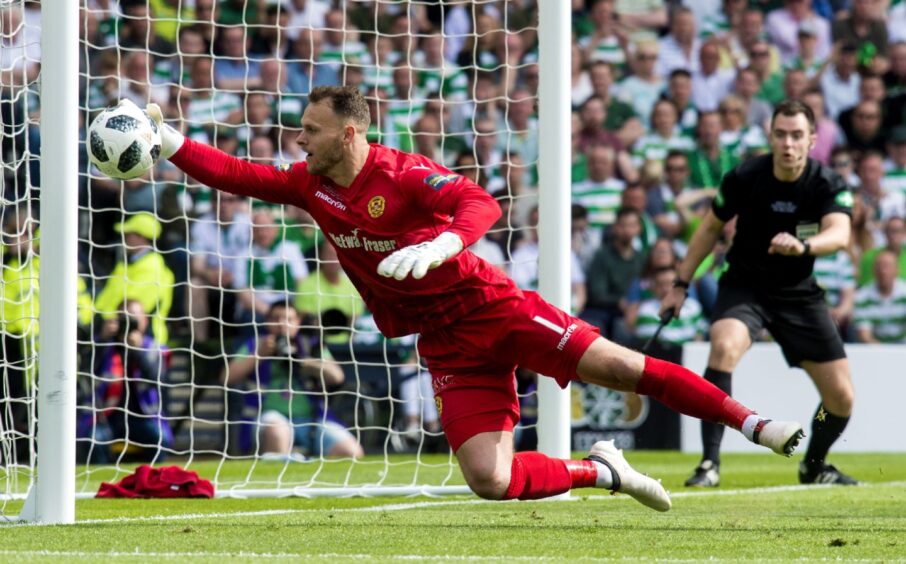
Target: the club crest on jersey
pixel 376 206
pixel 284 167
pixel 844 199
pixel 438 181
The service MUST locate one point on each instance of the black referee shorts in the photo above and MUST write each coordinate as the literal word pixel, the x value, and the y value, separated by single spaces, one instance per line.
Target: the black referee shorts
pixel 798 320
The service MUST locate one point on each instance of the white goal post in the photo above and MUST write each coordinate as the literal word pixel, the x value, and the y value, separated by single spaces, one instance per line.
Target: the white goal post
pixel 69 92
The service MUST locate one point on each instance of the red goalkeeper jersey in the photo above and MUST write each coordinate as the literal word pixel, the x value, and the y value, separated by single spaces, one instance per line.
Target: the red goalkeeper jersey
pixel 398 199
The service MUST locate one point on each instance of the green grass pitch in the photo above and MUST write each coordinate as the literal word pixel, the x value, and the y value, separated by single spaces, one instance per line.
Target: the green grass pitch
pixel 759 514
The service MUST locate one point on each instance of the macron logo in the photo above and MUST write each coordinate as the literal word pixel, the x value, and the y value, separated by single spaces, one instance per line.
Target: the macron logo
pixel 566 336
pixel 565 333
pixel 337 204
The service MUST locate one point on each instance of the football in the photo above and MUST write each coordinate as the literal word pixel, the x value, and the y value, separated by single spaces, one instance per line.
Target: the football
pixel 123 141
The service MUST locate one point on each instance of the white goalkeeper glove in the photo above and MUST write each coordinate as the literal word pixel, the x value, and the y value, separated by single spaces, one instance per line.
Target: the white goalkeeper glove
pixel 419 259
pixel 170 139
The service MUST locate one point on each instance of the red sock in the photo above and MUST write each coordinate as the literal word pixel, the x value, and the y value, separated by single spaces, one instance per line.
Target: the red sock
pixel 684 391
pixel 535 476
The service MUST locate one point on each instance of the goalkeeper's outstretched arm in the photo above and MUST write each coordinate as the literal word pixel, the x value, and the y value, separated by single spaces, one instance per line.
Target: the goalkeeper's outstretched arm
pixel 219 170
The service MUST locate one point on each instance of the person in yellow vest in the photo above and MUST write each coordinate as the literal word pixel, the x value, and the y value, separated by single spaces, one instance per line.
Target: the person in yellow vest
pixel 142 275
pixel 18 331
pixel 328 296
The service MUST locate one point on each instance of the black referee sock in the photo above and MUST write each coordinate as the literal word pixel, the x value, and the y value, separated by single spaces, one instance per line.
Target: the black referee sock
pixel 826 429
pixel 713 433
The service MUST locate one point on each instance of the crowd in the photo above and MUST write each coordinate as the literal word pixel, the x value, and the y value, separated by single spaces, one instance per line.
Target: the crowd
pixel 667 96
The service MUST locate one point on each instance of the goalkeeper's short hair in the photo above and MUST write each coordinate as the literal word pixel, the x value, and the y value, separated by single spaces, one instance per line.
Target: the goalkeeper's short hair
pixel 346 101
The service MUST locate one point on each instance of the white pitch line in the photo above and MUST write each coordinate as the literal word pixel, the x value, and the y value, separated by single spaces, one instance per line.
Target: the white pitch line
pixel 431 504
pixel 432 557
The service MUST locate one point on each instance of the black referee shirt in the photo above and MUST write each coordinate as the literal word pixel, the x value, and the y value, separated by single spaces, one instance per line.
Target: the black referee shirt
pixel 766 206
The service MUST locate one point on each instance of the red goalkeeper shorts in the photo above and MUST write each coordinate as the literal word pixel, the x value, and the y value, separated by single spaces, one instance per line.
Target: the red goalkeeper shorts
pixel 473 361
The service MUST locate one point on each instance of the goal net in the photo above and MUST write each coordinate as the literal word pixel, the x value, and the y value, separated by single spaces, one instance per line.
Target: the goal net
pixel 218 333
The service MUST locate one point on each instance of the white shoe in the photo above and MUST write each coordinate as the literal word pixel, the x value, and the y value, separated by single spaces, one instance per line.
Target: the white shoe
pixel 780 436
pixel 645 490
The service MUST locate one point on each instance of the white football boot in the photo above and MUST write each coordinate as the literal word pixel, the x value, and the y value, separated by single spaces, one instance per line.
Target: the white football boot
pixel 645 490
pixel 780 436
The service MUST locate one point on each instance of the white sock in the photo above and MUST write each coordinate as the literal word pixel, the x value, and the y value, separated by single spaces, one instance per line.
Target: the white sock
pixel 605 477
pixel 748 426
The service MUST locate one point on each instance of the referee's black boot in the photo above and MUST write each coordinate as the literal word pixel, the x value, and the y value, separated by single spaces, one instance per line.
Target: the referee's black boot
pixel 706 475
pixel 823 473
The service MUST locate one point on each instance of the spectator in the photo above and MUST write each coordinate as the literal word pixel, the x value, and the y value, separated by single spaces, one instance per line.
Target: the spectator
pixel 839 81
pixel 600 192
pixel 895 169
pixel 783 27
pixel 592 116
pixel 580 81
pixel 272 271
pixel 843 163
pixel 233 69
pixel 690 325
pixel 142 275
pixel 259 118
pixel 306 71
pixel 342 44
pixel 771 79
pixel 895 77
pixel 679 91
pixel 520 127
pixel 293 378
pixel 19 311
pixel 486 148
pixel 608 41
pixel 306 14
pixel 610 274
pixel 894 236
pixel 884 204
pixel 795 83
pixel 328 289
pixel 137 31
pixel 827 132
pixel 665 136
pixel 524 268
pixel 738 137
pixel 664 201
pixel 710 161
pixel 835 275
pixel 620 117
pixel 643 88
pixel 123 415
pixel 710 83
pixel 746 86
pixel 661 255
pixel 208 112
pixel 217 241
pixel 135 81
pixel 751 31
pixel 807 59
pixel 286 107
pixel 864 27
pixel 405 107
pixel 584 244
pixel 863 128
pixel 436 74
pixel 270 38
pixel 880 313
pixel 679 49
pixel 635 197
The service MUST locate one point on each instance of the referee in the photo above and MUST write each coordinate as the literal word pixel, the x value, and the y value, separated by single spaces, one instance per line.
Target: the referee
pixel 789 208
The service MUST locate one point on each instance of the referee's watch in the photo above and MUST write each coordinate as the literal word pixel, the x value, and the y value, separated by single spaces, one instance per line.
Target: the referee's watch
pixel 806 248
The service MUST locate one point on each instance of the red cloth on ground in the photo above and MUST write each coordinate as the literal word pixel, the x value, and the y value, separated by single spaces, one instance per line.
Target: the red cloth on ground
pixel 168 481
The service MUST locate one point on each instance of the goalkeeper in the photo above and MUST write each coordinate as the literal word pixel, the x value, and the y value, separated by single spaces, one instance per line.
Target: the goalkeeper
pixel 400 223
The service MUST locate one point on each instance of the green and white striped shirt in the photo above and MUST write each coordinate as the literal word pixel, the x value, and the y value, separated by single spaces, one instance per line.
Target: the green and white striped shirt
pixel 885 316
pixel 601 199
pixel 653 147
pixel 894 180
pixel 687 327
pixel 835 273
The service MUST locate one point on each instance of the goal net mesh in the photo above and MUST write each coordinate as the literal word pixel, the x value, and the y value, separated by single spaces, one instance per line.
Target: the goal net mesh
pixel 218 333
